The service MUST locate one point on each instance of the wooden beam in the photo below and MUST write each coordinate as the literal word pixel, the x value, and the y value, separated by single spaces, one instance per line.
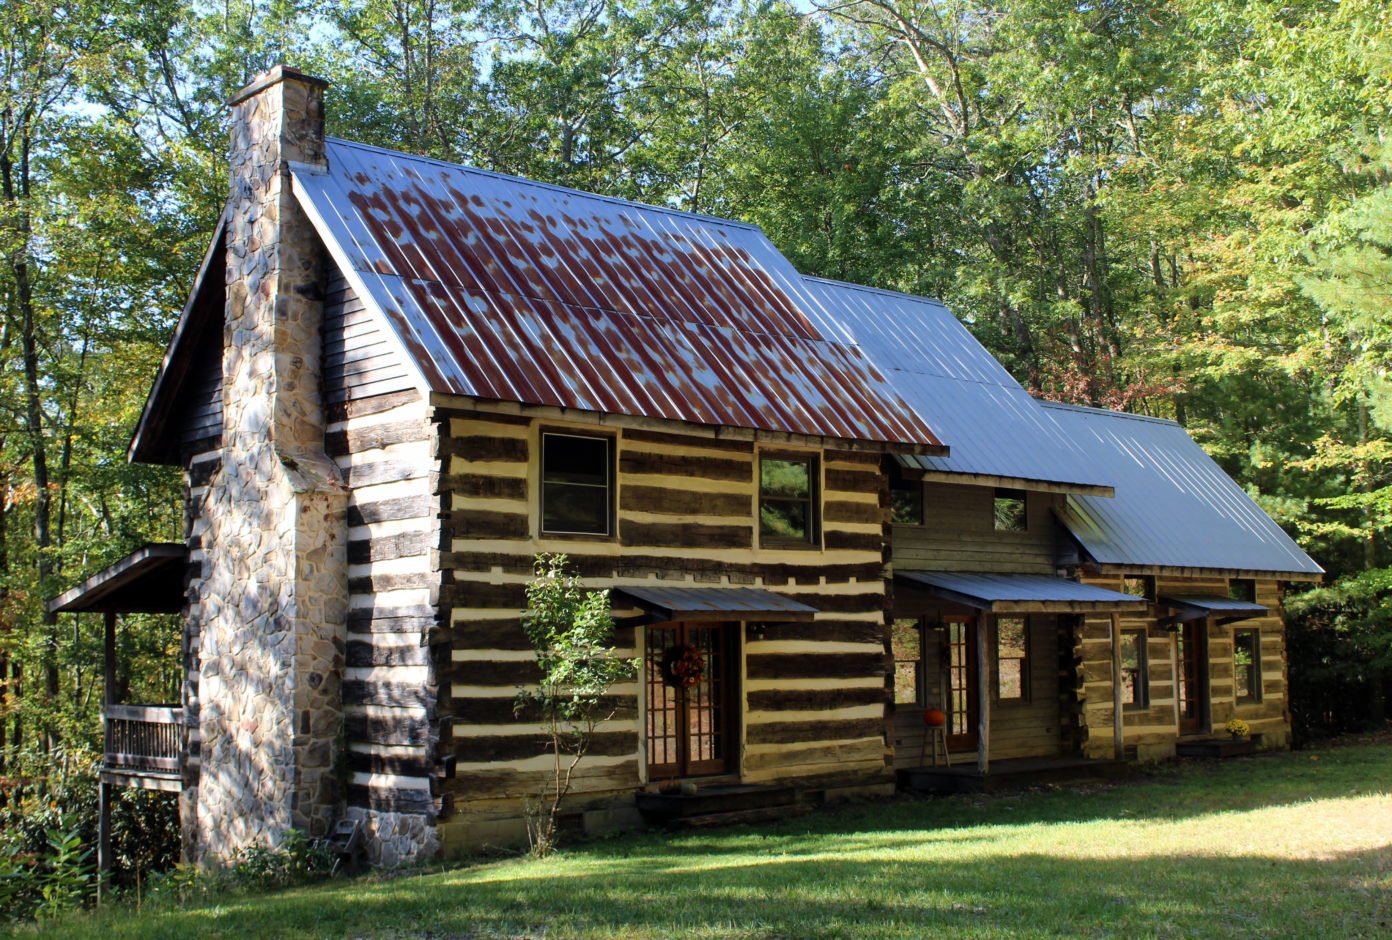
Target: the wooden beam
pixel 109 659
pixel 1118 731
pixel 103 836
pixel 983 699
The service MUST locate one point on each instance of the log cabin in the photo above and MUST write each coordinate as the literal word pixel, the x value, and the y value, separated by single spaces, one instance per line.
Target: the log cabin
pixel 398 380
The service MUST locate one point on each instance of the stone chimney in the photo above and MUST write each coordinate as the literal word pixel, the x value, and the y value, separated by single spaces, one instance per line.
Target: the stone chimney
pixel 272 600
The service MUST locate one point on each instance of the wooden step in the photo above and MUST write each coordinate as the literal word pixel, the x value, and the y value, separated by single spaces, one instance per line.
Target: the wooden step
pixel 706 801
pixel 1216 748
pixel 739 817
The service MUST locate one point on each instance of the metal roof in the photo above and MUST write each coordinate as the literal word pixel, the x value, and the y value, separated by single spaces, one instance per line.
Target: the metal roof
pixel 150 580
pixel 502 288
pixel 1001 593
pixel 1200 606
pixel 1174 506
pixel 995 428
pixel 716 603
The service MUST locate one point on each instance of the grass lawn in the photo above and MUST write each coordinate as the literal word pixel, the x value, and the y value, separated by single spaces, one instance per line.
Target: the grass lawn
pixel 1287 845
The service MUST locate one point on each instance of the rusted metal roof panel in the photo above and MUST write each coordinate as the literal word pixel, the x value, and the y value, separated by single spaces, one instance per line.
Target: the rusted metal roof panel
pixel 729 603
pixel 1174 506
pixel 993 425
pixel 502 288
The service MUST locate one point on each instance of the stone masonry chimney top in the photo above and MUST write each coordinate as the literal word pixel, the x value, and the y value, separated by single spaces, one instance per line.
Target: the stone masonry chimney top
pixel 275 75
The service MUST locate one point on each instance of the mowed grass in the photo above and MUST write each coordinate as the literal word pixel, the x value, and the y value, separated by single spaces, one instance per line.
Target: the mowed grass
pixel 1287 845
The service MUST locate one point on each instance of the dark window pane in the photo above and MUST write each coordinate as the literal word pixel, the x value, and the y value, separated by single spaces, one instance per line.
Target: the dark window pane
pixel 784 519
pixel 907 503
pixel 1247 665
pixel 1009 512
pixel 1134 683
pixel 1012 654
pixel 575 491
pixel 906 639
pixel 791 479
pixel 1243 589
pixel 1139 586
pixel 568 459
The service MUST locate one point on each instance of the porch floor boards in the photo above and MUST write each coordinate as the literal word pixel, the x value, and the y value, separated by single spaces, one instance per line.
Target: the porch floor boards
pixel 1009 774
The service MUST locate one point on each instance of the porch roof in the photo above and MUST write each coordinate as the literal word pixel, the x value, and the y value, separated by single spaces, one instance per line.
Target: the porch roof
pixel 150 580
pixel 714 603
pixel 1018 593
pixel 1199 607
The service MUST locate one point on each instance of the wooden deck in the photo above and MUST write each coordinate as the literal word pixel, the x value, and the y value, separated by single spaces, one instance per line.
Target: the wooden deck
pixel 1009 774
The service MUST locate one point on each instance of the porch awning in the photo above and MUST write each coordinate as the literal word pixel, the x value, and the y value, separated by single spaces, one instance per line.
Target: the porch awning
pixel 713 603
pixel 1197 607
pixel 1018 593
pixel 149 580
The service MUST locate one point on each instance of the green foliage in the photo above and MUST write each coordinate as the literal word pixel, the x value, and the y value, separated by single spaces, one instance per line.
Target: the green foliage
pixel 572 632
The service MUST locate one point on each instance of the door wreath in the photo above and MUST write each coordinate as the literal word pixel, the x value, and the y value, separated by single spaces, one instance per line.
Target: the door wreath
pixel 683 666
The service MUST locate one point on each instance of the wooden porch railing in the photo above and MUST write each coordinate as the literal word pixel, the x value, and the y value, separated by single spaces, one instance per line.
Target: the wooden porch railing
pixel 143 738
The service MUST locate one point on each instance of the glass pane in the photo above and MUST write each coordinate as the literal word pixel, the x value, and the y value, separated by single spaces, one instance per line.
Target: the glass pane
pixel 567 459
pixel 570 507
pixel 1010 514
pixel 906 683
pixel 907 505
pixel 1010 634
pixel 790 479
pixel 1132 664
pixel 783 519
pixel 1139 586
pixel 1243 589
pixel 1011 678
pixel 906 640
pixel 1245 663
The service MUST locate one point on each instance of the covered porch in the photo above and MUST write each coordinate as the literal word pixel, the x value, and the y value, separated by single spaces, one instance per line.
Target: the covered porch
pixel 997 653
pixel 144 744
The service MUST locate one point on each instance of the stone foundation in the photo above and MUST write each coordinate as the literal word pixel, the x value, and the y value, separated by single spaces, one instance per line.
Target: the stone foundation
pixel 396 839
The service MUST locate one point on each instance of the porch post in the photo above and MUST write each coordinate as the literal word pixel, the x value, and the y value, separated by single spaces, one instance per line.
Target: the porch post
pixel 103 837
pixel 1118 733
pixel 104 788
pixel 109 660
pixel 983 698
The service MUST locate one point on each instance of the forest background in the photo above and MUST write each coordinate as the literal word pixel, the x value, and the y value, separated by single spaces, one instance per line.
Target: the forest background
pixel 1175 207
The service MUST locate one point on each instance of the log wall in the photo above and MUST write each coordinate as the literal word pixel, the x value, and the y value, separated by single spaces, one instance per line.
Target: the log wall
pixel 1153 731
pixel 812 695
pixel 958 533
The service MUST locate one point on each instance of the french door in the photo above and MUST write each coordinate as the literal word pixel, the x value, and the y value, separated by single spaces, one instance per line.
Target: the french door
pixel 690 689
pixel 1192 643
pixel 961 682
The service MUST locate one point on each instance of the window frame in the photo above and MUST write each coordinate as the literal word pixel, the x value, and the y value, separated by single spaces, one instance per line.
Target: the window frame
pixel 813 539
pixel 610 485
pixel 1142 684
pixel 1242 589
pixel 1254 684
pixel 920 629
pixel 906 486
pixel 1148 581
pixel 1005 493
pixel 1026 660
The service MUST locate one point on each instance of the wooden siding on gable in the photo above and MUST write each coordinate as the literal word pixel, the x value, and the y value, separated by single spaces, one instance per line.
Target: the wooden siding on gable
pixel 684 513
pixel 359 359
pixel 958 534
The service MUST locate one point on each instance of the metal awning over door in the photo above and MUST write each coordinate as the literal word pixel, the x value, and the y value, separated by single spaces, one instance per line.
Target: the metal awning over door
pixel 1018 593
pixel 1200 607
pixel 713 603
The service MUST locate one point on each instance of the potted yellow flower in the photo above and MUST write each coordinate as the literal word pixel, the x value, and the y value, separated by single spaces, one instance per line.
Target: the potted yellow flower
pixel 1238 728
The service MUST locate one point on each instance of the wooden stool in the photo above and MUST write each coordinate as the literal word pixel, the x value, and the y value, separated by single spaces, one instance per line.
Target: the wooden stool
pixel 939 736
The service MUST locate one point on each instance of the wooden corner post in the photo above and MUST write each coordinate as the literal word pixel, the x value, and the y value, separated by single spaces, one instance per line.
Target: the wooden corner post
pixel 1118 729
pixel 983 698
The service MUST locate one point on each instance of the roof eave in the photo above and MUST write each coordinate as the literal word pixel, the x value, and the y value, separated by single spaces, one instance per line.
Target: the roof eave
pixel 1023 483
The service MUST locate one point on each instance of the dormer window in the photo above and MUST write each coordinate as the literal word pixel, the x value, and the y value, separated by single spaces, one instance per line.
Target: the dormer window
pixel 1009 511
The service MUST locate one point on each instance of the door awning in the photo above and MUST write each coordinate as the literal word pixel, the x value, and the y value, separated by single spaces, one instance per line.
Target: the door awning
pixel 1018 593
pixel 712 603
pixel 150 580
pixel 1199 607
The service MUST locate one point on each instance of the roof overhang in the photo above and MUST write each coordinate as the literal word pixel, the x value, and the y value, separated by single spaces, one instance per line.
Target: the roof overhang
pixel 1177 571
pixel 913 471
pixel 662 604
pixel 1201 607
pixel 149 580
pixel 1018 593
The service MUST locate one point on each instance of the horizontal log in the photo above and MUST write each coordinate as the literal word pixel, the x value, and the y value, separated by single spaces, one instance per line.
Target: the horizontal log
pixel 815 665
pixel 391 619
pixel 522 785
pixel 503 710
pixel 796 732
pixel 355 440
pixel 364 653
pixel 412 765
pixel 476 750
pixel 485 524
pixel 643 436
pixel 688 535
pixel 397 694
pixel 867 603
pixel 830 631
pixel 361 407
pixel 391 799
pixel 786 700
pixel 446 414
pixel 391 510
pixel 492 673
pixel 605 566
pixel 400 730
pixel 852 481
pixel 685 502
pixel 388 547
pixel 483 594
pixel 486 448
pixel 484 486
pixel 836 510
pixel 403 581
pixel 670 465
pixel 200 473
pixel 870 461
pixel 836 540
pixel 383 471
pixel 504 634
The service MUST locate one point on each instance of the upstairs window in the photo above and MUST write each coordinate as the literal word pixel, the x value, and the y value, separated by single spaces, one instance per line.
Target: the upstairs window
pixel 1247 665
pixel 1012 659
pixel 577 485
pixel 788 500
pixel 1242 589
pixel 1009 511
pixel 1139 585
pixel 906 502
pixel 1135 683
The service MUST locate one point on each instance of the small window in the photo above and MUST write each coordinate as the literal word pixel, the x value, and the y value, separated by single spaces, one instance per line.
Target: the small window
pixel 1010 510
pixel 576 485
pixel 787 500
pixel 906 501
pixel 1012 659
pixel 1247 665
pixel 1135 684
pixel 907 641
pixel 1139 585
pixel 1242 589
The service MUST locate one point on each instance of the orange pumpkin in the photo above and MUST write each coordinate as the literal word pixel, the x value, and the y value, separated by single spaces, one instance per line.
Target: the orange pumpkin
pixel 934 717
